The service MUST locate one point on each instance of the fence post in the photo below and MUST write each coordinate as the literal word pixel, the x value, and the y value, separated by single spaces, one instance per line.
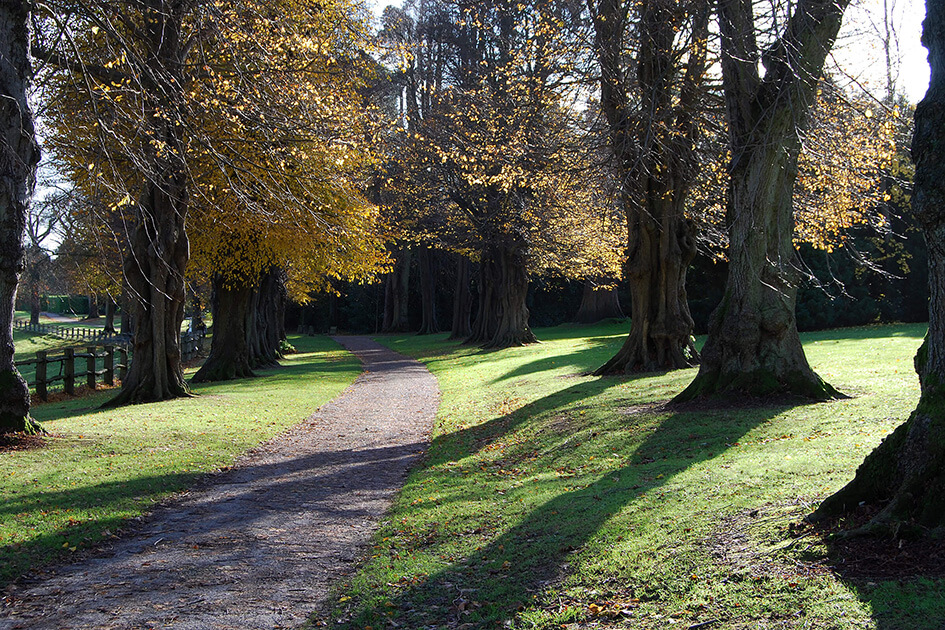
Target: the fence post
pixel 41 375
pixel 109 376
pixel 123 367
pixel 68 370
pixel 90 368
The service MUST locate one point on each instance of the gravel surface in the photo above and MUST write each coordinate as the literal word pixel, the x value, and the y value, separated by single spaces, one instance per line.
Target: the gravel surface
pixel 259 545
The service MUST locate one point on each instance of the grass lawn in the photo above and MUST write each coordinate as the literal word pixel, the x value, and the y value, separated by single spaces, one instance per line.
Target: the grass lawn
pixel 549 499
pixel 100 468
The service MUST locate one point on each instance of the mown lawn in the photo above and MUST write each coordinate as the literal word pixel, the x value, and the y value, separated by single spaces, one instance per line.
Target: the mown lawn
pixel 101 468
pixel 549 499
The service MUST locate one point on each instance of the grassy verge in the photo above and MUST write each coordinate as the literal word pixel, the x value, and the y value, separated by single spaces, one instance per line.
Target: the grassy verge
pixel 550 499
pixel 100 468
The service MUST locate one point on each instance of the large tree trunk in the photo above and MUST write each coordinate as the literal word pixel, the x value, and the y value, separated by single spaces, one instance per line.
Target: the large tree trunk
pixel 19 155
pixel 462 301
pixel 396 287
pixel 502 321
pixel 159 246
pixel 93 307
pixel 655 148
pixel 155 274
pixel 753 345
pixel 265 327
pixel 229 352
pixel 126 321
pixel 35 305
pixel 428 269
pixel 599 301
pixel 109 315
pixel 905 476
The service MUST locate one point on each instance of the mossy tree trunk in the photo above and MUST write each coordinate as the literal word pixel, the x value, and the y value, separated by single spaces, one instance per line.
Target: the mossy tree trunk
pixel 653 132
pixel 905 476
pixel 598 301
pixel 462 300
pixel 502 320
pixel 753 346
pixel 19 155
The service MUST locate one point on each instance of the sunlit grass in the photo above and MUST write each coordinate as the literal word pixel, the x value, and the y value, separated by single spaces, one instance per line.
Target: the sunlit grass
pixel 550 498
pixel 101 468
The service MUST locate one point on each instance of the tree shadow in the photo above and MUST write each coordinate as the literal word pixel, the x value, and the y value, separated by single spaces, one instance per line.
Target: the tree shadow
pixel 487 587
pixel 900 580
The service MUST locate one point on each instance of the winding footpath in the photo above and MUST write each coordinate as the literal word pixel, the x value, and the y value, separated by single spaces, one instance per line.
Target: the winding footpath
pixel 259 545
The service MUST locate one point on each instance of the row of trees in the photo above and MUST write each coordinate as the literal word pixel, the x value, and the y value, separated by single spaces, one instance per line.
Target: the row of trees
pixel 259 148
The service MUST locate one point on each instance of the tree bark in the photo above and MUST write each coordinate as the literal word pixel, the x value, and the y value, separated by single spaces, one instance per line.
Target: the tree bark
pixel 35 307
pixel 265 327
pixel 396 285
pixel 126 321
pixel 428 269
pixel 109 315
pixel 598 302
pixel 93 307
pixel 462 301
pixel 655 149
pixel 229 356
pixel 502 320
pixel 19 155
pixel 904 478
pixel 159 247
pixel 753 346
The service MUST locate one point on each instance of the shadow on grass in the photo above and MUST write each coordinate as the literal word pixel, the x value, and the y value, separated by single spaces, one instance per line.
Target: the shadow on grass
pixel 901 580
pixel 504 574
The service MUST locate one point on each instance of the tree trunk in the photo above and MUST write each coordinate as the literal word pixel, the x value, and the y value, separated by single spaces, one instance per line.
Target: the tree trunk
pixel 19 155
pixel 93 307
pixel 502 321
pixel 126 321
pixel 655 147
pixel 462 300
pixel 396 293
pixel 905 476
pixel 753 346
pixel 598 302
pixel 265 328
pixel 428 269
pixel 159 245
pixel 109 315
pixel 35 306
pixel 229 351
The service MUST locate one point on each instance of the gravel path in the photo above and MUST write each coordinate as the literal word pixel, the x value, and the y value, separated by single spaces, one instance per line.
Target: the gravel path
pixel 259 545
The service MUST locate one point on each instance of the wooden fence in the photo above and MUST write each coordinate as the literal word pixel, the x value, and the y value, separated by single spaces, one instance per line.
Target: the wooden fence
pixel 99 364
pixel 71 367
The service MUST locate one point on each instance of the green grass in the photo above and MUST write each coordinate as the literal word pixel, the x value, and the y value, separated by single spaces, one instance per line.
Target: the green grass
pixel 549 499
pixel 101 468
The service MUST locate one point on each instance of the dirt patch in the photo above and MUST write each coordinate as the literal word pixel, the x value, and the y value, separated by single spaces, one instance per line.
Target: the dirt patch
pixel 751 543
pixel 20 442
pixel 876 558
pixel 638 410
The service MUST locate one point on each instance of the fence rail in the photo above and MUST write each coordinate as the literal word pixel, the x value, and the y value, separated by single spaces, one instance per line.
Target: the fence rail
pixel 67 362
pixel 101 363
